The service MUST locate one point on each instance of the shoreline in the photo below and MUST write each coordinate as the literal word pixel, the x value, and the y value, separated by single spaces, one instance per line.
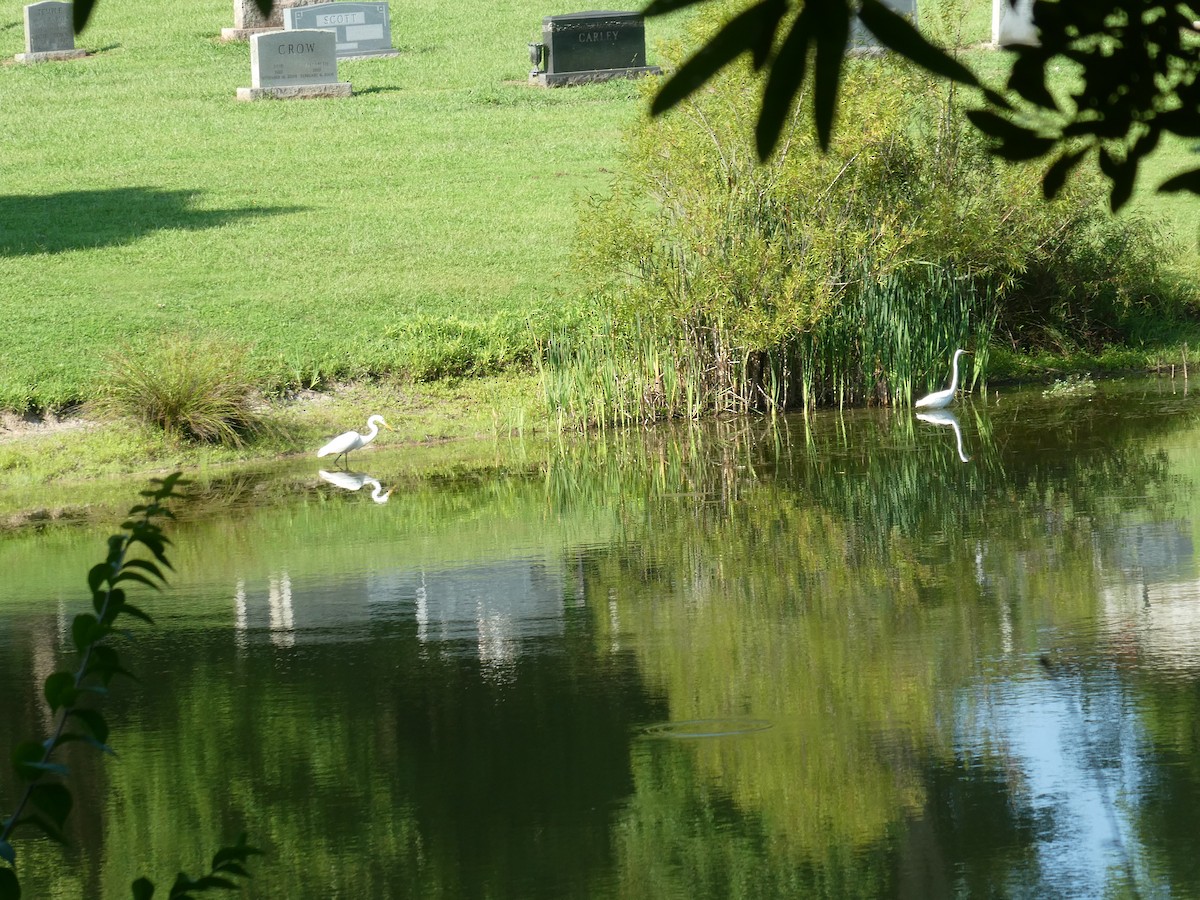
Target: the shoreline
pixel 64 465
pixel 53 465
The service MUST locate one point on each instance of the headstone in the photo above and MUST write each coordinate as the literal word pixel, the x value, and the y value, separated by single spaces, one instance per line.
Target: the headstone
pixel 1013 26
pixel 249 21
pixel 49 33
pixel 861 38
pixel 290 65
pixel 593 46
pixel 362 29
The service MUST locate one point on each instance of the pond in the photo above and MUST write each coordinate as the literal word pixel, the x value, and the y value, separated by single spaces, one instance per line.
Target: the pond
pixel 858 655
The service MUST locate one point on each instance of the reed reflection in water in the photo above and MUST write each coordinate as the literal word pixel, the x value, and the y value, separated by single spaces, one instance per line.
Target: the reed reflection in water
pixel 966 679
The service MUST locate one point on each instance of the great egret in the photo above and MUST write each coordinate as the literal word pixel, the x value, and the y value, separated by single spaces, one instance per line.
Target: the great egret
pixel 938 399
pixel 352 440
pixel 352 481
pixel 946 418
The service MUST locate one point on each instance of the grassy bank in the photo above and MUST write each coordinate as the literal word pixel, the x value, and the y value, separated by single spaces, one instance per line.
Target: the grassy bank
pixel 67 467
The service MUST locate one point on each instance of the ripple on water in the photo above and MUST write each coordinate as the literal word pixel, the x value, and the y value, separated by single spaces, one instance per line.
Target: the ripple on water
pixel 707 728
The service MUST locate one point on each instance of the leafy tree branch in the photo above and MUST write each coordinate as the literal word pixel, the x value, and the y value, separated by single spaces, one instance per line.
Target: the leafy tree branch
pixel 45 800
pixel 1132 66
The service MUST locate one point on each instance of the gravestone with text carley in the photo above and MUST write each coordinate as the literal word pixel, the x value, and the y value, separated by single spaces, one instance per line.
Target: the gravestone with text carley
pixel 861 39
pixel 361 29
pixel 591 46
pixel 291 65
pixel 49 33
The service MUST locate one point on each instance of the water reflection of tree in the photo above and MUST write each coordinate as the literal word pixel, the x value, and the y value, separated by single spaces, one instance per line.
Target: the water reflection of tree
pixel 821 576
pixel 1164 810
pixel 382 772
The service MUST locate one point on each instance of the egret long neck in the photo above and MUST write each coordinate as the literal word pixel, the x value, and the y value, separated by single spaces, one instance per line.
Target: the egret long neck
pixel 370 435
pixel 954 374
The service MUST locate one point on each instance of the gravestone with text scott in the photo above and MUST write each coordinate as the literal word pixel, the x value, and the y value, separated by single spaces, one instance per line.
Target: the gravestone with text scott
pixel 362 29
pixel 291 65
pixel 49 33
pixel 861 38
pixel 591 46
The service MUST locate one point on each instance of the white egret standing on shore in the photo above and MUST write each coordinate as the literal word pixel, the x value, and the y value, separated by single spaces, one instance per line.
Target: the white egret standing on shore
pixel 939 399
pixel 352 440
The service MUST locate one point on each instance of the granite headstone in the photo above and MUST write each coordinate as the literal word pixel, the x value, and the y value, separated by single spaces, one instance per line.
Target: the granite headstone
pixel 248 20
pixel 362 29
pixel 49 32
pixel 1013 26
pixel 593 46
pixel 293 64
pixel 861 38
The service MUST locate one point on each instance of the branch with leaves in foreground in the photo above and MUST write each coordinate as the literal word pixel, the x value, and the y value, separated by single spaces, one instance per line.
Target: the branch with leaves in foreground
pixel 45 800
pixel 1133 78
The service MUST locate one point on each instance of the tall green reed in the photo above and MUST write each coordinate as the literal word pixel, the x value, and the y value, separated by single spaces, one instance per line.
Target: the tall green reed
pixel 890 337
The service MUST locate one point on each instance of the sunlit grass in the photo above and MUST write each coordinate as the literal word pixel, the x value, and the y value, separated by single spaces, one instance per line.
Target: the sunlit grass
pixel 422 227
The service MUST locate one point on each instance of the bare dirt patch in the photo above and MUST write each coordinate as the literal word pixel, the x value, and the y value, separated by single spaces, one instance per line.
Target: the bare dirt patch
pixel 21 425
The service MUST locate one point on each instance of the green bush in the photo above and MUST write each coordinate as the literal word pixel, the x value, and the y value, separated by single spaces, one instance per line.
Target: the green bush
pixel 199 390
pixel 840 277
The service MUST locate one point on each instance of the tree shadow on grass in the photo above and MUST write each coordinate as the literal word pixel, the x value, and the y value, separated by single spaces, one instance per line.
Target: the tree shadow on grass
pixel 81 220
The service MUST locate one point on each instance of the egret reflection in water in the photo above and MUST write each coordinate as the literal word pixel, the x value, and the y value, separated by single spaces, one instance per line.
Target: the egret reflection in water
pixel 946 418
pixel 353 481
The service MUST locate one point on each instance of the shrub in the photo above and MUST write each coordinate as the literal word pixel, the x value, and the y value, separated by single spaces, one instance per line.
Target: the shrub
pixel 192 389
pixel 840 277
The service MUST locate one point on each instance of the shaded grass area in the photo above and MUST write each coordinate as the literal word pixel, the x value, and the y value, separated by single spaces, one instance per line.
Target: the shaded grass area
pixel 422 227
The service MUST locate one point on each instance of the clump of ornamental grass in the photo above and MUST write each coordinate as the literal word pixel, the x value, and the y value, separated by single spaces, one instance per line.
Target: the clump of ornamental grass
pixel 196 390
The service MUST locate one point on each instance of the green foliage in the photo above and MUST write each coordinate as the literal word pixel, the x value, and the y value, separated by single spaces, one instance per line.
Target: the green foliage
pixel 819 31
pixel 45 801
pixel 1133 64
pixel 227 864
pixel 1071 386
pixel 193 389
pixel 846 275
pixel 1134 82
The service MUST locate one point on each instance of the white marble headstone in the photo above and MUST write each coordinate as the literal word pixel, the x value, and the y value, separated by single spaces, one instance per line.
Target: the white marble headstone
pixel 289 58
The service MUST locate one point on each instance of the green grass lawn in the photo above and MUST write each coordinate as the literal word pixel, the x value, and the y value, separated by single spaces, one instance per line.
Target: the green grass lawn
pixel 423 226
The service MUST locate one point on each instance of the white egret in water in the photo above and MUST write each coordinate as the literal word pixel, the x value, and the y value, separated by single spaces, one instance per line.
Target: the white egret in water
pixel 946 417
pixel 352 481
pixel 352 440
pixel 938 399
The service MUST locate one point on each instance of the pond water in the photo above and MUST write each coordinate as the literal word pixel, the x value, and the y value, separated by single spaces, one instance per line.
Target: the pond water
pixel 863 655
